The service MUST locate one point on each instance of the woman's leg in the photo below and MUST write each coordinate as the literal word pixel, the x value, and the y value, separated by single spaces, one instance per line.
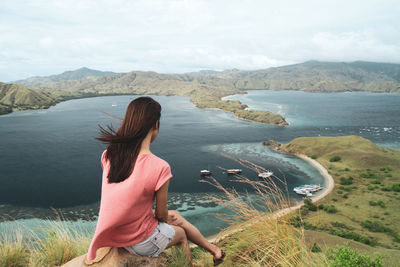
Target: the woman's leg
pixel 180 239
pixel 192 233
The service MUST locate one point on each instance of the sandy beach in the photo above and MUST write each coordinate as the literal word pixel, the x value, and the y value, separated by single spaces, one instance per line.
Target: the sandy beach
pixel 329 185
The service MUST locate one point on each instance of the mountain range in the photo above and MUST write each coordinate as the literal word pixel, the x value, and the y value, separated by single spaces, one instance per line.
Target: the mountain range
pixel 206 87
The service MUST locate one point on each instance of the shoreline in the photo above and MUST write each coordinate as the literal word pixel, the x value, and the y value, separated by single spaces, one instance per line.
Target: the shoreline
pixel 328 188
pixel 190 100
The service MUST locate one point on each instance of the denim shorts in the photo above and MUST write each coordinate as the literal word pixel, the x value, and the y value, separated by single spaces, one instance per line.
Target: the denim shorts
pixel 155 243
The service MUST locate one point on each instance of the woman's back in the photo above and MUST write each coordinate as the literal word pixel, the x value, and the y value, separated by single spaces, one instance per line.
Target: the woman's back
pixel 126 216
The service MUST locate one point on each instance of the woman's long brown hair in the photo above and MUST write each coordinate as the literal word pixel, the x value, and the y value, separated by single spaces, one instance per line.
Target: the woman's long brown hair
pixel 124 145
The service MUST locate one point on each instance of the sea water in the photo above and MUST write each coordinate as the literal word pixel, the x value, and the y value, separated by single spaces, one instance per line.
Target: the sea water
pixel 50 157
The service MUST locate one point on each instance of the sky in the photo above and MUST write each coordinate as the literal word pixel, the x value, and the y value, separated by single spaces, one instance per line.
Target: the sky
pixel 45 37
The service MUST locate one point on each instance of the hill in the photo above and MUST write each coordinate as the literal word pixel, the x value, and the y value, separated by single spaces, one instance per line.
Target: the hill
pixel 364 205
pixel 65 76
pixel 315 76
pixel 207 87
pixel 18 97
pixel 202 94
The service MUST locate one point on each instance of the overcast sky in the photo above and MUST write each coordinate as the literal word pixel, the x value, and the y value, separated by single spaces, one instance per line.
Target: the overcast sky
pixel 45 37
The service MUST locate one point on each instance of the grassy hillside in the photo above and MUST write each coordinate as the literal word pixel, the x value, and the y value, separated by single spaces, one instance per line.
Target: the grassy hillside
pixel 17 97
pixel 364 205
pixel 315 76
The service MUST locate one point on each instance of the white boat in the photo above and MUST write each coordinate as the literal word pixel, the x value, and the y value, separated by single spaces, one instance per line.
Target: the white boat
pixel 205 172
pixel 307 189
pixel 266 174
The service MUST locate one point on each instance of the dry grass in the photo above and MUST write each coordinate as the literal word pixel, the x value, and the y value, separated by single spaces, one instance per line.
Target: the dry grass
pixel 24 247
pixel 257 236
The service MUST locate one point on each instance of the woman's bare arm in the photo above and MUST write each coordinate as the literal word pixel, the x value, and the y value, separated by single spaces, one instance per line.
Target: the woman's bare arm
pixel 161 211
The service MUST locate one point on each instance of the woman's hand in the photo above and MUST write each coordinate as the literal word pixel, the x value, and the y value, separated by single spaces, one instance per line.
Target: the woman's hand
pixel 172 219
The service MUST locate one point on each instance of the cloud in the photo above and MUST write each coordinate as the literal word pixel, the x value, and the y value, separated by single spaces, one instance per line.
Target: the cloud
pixel 44 37
pixel 354 46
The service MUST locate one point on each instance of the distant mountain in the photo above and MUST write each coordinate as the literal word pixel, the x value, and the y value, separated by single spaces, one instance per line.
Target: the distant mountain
pixel 18 97
pixel 202 72
pixel 65 76
pixel 205 88
pixel 319 77
pixel 313 76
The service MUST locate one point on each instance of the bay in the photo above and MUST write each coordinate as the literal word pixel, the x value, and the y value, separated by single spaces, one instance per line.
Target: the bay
pixel 49 158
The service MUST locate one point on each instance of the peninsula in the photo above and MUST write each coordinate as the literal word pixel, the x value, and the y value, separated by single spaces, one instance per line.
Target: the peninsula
pixel 364 204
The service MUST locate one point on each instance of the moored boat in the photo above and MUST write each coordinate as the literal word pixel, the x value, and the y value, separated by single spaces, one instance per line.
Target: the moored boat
pixel 266 174
pixel 307 189
pixel 233 171
pixel 205 172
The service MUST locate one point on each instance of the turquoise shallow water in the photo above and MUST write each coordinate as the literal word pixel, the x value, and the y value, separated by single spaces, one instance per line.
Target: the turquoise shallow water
pixel 375 116
pixel 50 158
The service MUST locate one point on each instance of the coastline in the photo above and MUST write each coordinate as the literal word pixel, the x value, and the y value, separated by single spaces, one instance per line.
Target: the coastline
pixel 239 118
pixel 328 188
pixel 63 99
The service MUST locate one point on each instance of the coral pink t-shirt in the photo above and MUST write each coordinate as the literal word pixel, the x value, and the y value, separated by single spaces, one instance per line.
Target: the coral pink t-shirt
pixel 126 216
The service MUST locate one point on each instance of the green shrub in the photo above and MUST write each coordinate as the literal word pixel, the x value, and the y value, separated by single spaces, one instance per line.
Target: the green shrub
pixel 314 156
pixel 296 221
pixel 309 205
pixel 341 225
pixel 353 236
pixel 315 248
pixel 304 210
pixel 347 169
pixel 396 187
pixel 346 181
pixel 346 256
pixel 381 203
pixel 309 226
pixel 330 208
pixel 308 201
pixel 386 188
pixel 375 226
pixel 373 203
pixel 335 159
pixel 382 169
pixel 372 175
pixel 375 182
pixel 370 187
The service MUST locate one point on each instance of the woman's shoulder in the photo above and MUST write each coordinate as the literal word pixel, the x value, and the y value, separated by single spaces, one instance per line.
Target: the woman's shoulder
pixel 158 160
